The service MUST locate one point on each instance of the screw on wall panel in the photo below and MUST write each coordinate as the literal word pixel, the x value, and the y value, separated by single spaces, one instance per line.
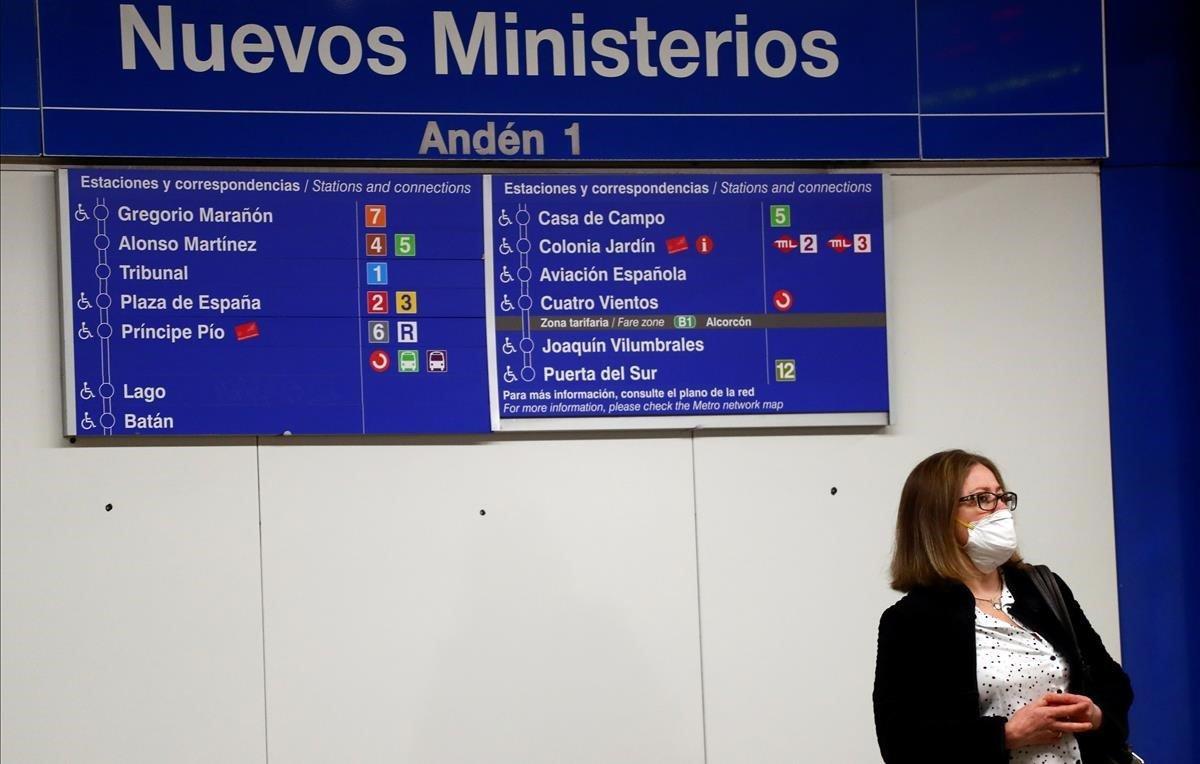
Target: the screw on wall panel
pixel 833 491
pixel 482 512
pixel 72 439
pixel 108 507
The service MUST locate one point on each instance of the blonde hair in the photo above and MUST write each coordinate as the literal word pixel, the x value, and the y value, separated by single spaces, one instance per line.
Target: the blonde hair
pixel 926 551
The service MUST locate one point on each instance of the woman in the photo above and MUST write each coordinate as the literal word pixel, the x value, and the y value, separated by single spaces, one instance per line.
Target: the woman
pixel 973 666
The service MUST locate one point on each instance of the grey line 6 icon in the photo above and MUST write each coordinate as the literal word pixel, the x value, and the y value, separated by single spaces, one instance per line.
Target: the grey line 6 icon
pixel 379 332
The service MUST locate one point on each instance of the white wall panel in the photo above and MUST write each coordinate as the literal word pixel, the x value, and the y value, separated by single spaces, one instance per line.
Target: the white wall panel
pixel 402 625
pixel 996 338
pixel 997 344
pixel 566 624
pixel 132 635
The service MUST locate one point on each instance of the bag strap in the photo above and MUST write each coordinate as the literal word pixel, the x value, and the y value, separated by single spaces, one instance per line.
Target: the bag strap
pixel 1051 592
pixel 1047 586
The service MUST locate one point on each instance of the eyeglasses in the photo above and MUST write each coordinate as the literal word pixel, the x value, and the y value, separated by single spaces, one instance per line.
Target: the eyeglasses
pixel 988 501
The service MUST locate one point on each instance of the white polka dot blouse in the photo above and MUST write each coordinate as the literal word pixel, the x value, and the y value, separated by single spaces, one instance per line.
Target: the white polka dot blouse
pixel 1014 667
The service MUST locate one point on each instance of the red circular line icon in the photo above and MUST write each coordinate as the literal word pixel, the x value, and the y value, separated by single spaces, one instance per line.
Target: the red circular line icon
pixel 380 361
pixel 783 300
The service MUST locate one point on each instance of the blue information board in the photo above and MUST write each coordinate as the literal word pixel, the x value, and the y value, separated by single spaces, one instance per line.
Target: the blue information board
pixel 272 303
pixel 267 303
pixel 622 298
pixel 613 80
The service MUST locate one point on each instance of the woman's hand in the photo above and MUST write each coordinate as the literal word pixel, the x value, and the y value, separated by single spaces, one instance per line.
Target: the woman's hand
pixel 1093 715
pixel 1046 719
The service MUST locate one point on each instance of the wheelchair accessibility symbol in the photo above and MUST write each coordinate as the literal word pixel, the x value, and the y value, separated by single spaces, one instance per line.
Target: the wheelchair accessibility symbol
pixel 81 214
pixel 87 423
pixel 83 303
pixel 85 392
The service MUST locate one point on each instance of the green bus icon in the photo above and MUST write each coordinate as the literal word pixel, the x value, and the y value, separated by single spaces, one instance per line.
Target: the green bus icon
pixel 685 322
pixel 409 361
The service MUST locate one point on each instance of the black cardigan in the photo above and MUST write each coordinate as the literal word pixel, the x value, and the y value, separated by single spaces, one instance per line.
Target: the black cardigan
pixel 926 698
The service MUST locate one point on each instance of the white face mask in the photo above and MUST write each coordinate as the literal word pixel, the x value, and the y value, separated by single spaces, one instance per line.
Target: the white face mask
pixel 992 540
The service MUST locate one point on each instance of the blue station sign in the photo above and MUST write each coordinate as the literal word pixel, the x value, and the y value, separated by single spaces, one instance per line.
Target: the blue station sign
pixel 613 80
pixel 20 107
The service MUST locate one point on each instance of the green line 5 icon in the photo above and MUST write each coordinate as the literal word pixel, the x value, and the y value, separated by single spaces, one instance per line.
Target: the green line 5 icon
pixel 781 215
pixel 406 245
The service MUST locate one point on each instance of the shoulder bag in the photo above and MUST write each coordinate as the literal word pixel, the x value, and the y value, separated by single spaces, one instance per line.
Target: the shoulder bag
pixel 1047 586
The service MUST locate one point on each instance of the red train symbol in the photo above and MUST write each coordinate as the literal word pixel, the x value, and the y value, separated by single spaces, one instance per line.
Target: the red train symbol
pixel 840 243
pixel 786 243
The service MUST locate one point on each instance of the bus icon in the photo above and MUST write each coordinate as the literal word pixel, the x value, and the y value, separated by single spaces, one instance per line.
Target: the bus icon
pixel 408 361
pixel 435 360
